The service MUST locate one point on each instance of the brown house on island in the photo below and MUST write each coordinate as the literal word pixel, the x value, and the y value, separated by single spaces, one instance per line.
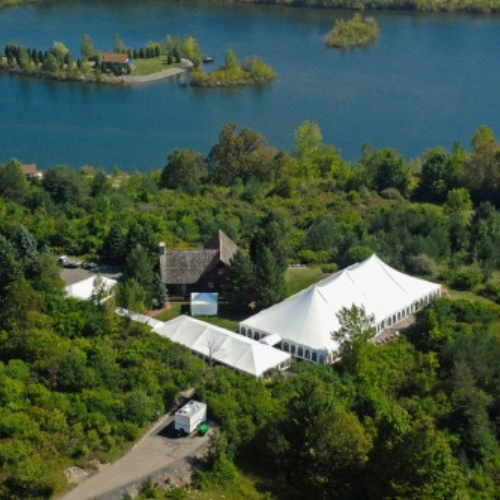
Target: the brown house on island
pixel 198 270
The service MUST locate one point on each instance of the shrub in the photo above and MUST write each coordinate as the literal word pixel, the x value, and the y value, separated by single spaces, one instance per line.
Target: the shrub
pixel 421 264
pixel 329 268
pixel 466 280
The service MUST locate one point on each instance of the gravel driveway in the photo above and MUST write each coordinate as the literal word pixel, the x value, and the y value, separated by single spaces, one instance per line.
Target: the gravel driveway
pixel 157 453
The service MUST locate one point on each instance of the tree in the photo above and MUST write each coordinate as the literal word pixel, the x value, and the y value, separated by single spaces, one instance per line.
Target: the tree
pixel 115 245
pixel 458 201
pixel 183 168
pixel 440 173
pixel 66 185
pixel 231 61
pixel 238 285
pixel 270 286
pixel 118 45
pixel 87 49
pixel 25 246
pixel 13 184
pixel 60 51
pixel 356 328
pixel 101 185
pixel 139 266
pixel 236 156
pixel 482 135
pixel 192 51
pixel 9 265
pixel 387 169
pixel 308 138
pixel 130 295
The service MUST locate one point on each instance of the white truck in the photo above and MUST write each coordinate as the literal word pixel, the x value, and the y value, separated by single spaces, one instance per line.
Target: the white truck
pixel 190 416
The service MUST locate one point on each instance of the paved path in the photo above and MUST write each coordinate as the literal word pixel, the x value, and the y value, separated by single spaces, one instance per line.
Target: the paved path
pixel 167 73
pixel 153 454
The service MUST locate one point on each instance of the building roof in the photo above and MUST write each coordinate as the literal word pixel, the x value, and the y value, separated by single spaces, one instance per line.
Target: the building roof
pixel 29 169
pixel 225 347
pixel 310 316
pixel 114 58
pixel 186 267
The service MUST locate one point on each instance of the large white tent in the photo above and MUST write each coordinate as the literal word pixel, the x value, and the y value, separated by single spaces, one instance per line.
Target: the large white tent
pixel 306 320
pixel 222 346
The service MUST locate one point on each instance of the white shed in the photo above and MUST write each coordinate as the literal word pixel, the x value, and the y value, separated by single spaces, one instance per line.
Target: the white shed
pixel 204 304
pixel 190 416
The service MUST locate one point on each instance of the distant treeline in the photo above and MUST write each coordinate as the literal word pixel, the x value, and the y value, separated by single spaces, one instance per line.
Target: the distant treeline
pixel 473 6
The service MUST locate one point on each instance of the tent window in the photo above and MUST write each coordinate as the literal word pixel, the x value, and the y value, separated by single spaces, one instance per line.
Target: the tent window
pixel 314 357
pixel 286 347
pixel 301 352
pixel 257 335
pixel 292 349
pixel 321 359
pixel 249 333
pixel 243 331
pixel 308 354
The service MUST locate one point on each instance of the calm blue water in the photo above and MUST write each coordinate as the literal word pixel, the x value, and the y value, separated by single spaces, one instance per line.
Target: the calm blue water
pixel 428 80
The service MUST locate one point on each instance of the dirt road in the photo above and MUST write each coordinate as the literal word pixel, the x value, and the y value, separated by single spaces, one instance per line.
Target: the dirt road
pixel 156 453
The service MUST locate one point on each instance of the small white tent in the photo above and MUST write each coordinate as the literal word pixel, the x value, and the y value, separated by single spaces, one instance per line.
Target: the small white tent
pixel 83 290
pixel 306 320
pixel 204 304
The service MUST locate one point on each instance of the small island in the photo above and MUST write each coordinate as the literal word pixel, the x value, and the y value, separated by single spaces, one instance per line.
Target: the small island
pixel 251 71
pixel 352 33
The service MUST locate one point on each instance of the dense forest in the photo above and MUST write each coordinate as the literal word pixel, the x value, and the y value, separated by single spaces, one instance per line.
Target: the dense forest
pixel 415 418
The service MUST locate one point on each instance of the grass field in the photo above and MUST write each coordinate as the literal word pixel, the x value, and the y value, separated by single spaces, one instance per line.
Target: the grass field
pixel 153 65
pixel 298 278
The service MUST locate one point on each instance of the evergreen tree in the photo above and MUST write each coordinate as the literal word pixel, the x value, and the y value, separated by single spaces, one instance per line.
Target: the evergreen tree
pixel 9 266
pixel 270 284
pixel 25 246
pixel 238 288
pixel 115 245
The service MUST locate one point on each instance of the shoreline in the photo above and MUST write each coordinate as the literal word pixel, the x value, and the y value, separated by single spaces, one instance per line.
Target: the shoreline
pixel 105 80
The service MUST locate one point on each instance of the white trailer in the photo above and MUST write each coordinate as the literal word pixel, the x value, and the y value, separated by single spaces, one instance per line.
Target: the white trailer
pixel 190 416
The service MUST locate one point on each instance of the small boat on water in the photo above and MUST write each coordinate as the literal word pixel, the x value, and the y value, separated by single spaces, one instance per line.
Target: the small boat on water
pixel 207 59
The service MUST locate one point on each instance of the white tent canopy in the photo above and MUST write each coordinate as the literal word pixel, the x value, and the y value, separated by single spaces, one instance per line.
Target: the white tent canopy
pixel 204 304
pixel 83 290
pixel 222 346
pixel 307 319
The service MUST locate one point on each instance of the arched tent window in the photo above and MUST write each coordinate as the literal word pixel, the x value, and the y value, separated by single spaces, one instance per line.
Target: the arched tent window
pixel 257 335
pixel 321 359
pixel 314 357
pixel 292 349
pixel 243 331
pixel 308 354
pixel 249 333
pixel 301 352
pixel 286 347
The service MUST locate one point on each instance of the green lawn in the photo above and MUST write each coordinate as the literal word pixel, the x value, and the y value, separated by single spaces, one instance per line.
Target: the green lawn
pixel 298 278
pixel 470 296
pixel 153 65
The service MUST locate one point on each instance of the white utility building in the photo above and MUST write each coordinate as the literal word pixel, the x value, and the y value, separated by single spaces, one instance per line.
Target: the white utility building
pixel 219 345
pixel 305 321
pixel 190 416
pixel 204 304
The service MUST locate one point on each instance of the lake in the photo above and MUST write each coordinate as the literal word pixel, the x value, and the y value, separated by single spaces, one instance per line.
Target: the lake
pixel 429 80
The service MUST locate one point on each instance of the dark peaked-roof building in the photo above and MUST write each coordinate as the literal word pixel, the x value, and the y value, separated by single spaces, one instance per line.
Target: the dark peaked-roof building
pixel 198 270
